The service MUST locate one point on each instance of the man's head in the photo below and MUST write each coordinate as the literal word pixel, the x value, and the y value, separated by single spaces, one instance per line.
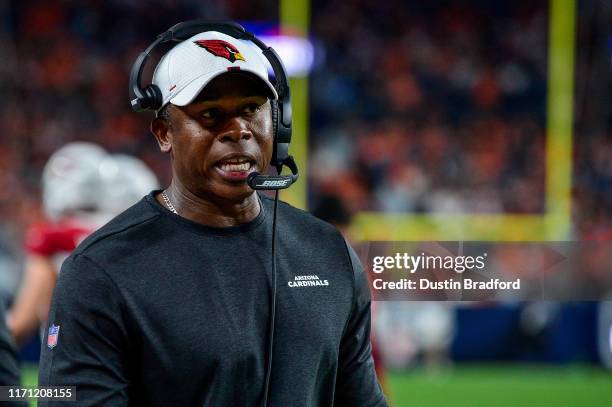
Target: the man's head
pixel 216 119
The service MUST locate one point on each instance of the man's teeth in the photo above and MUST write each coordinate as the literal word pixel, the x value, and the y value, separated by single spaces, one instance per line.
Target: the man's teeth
pixel 236 167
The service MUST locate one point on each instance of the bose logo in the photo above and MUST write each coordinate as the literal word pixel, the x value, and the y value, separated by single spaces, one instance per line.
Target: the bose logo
pixel 274 183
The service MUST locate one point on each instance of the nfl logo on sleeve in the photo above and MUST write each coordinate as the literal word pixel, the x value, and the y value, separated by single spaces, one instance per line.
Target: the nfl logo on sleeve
pixel 52 337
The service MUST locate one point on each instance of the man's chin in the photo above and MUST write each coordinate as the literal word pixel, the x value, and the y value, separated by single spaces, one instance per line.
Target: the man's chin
pixel 235 192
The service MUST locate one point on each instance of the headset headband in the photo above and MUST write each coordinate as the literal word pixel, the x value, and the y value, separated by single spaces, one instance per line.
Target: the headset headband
pixel 185 30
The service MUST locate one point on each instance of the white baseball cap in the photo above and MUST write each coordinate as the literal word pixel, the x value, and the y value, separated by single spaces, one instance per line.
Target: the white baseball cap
pixel 186 69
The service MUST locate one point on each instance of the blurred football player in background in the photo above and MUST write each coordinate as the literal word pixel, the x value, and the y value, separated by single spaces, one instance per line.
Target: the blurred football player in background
pixel 78 199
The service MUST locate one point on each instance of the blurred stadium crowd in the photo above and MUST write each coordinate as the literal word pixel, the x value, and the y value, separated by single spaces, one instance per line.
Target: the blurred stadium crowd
pixel 441 108
pixel 432 108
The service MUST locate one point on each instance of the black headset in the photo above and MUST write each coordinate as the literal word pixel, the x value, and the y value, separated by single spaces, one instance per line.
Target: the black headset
pixel 150 96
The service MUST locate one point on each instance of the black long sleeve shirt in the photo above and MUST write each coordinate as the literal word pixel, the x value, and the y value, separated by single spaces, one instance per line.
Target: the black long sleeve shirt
pixel 156 310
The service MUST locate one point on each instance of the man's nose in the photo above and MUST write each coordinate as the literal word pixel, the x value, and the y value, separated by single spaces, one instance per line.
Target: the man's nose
pixel 235 130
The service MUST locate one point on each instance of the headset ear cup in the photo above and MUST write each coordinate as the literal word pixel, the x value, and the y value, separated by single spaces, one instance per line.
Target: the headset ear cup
pixel 275 119
pixel 154 98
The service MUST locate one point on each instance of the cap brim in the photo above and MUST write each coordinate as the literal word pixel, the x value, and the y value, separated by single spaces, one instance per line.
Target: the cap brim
pixel 191 91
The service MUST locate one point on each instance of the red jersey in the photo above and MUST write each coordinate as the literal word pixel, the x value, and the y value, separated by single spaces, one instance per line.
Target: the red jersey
pixel 56 240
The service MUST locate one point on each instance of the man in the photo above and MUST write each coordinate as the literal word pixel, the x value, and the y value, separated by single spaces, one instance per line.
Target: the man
pixel 169 303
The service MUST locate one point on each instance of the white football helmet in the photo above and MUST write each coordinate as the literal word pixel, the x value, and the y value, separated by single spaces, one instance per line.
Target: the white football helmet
pixel 71 179
pixel 126 180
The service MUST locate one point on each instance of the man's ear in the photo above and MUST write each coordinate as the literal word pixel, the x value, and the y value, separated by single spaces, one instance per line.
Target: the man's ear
pixel 163 134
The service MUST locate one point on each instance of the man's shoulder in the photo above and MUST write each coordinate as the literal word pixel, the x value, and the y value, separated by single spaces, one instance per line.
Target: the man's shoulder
pixel 134 220
pixel 299 228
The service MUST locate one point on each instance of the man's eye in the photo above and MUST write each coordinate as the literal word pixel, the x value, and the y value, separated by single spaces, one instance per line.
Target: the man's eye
pixel 210 113
pixel 251 108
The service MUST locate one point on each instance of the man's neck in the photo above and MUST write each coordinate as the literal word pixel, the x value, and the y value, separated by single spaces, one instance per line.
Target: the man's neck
pixel 209 211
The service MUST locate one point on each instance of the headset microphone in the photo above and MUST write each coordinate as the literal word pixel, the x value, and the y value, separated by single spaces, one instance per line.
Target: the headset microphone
pixel 274 182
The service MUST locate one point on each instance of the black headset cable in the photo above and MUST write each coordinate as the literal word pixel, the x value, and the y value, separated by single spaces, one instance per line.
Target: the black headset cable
pixel 273 306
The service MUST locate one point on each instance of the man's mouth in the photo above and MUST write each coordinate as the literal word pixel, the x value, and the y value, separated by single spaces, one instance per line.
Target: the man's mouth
pixel 235 168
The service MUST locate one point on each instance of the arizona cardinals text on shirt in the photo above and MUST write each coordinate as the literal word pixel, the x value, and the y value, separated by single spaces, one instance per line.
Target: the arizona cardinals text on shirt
pixel 307 281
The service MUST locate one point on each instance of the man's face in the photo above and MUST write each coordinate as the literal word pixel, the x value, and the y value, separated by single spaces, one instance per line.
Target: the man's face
pixel 220 138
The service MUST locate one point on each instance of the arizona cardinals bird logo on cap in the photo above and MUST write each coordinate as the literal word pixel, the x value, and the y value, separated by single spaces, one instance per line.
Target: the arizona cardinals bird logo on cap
pixel 221 48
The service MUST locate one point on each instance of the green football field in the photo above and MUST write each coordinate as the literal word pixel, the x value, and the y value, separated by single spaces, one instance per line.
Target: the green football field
pixel 489 385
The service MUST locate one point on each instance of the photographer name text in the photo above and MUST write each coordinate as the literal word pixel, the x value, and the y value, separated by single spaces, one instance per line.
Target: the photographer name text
pixel 448 284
